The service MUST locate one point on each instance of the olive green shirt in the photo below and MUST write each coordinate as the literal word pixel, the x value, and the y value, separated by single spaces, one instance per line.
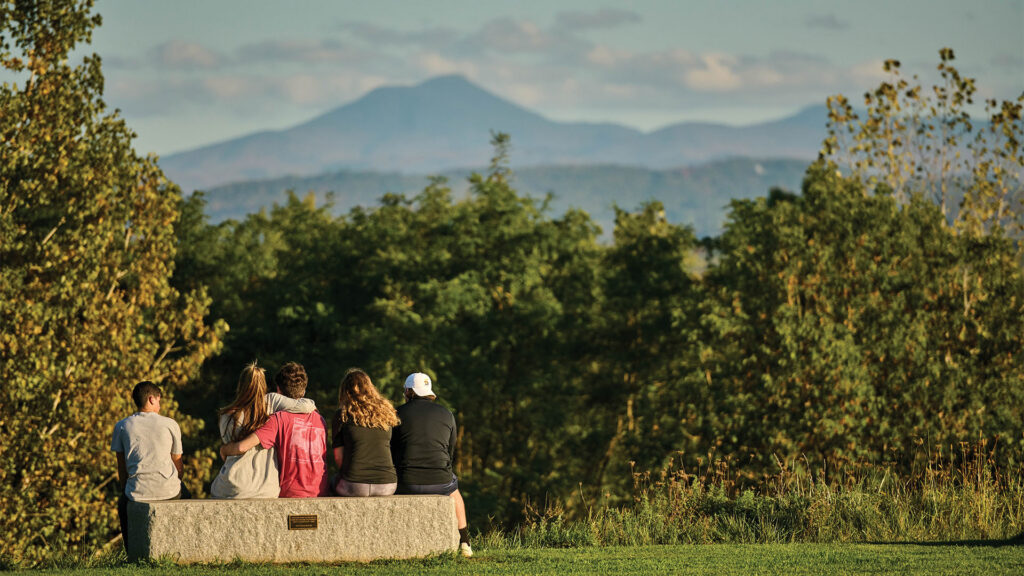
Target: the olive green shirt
pixel 366 453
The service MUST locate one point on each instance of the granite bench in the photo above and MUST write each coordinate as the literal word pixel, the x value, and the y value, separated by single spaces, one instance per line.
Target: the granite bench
pixel 292 529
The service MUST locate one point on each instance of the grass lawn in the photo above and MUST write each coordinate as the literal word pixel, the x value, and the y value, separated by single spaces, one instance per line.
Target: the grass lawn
pixel 689 559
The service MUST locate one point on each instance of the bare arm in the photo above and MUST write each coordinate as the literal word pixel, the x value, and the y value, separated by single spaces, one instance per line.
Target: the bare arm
pixel 122 471
pixel 338 456
pixel 176 458
pixel 240 447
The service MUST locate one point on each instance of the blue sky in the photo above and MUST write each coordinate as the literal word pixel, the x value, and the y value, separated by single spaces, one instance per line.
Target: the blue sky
pixel 187 73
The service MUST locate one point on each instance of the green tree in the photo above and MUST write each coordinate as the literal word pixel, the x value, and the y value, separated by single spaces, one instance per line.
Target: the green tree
pixel 641 399
pixel 839 328
pixel 485 295
pixel 86 309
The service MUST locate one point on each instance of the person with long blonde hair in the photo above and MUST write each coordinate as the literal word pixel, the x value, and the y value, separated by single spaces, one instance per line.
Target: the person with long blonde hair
pixel 253 474
pixel 361 433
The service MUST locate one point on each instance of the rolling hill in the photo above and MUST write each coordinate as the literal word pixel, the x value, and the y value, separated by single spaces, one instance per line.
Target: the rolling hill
pixel 696 195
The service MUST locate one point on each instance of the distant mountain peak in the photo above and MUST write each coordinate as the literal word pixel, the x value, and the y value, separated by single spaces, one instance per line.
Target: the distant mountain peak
pixel 445 122
pixel 448 81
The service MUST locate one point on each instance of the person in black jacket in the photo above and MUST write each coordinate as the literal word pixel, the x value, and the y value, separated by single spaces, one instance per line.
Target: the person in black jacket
pixel 423 449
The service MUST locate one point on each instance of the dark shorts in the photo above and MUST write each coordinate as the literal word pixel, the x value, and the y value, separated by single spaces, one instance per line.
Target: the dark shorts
pixel 443 489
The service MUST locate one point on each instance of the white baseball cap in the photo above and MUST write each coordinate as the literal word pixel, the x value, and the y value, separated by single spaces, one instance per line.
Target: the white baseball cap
pixel 419 383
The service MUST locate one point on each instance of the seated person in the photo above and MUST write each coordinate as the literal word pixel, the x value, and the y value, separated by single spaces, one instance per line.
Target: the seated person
pixel 300 439
pixel 423 449
pixel 253 474
pixel 361 433
pixel 148 448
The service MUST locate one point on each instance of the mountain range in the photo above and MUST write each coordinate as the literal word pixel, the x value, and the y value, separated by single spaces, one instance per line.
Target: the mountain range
pixel 697 195
pixel 445 123
pixel 392 138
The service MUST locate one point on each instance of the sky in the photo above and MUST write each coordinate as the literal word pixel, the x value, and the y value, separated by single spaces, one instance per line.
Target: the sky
pixel 188 73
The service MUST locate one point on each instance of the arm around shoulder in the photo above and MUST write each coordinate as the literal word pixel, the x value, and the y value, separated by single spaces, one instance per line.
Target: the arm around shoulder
pixel 240 447
pixel 278 402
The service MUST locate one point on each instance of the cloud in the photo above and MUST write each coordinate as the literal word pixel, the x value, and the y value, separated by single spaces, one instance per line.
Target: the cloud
pixel 510 35
pixel 434 64
pixel 141 97
pixel 180 55
pixel 525 93
pixel 715 73
pixel 228 87
pixel 607 18
pixel 376 35
pixel 869 73
pixel 827 21
pixel 300 51
pixel 306 90
pixel 120 63
pixel 241 94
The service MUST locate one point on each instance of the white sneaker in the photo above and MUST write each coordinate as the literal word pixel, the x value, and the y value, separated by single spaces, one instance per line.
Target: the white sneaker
pixel 465 550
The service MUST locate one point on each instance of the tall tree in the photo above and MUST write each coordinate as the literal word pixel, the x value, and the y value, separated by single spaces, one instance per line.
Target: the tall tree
pixel 838 327
pixel 639 399
pixel 86 308
pixel 478 293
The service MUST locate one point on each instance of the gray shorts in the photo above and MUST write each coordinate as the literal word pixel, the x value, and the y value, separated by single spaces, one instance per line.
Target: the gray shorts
pixel 358 489
pixel 444 489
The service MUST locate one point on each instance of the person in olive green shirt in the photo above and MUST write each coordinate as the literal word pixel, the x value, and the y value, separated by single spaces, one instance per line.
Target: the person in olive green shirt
pixel 361 432
pixel 423 449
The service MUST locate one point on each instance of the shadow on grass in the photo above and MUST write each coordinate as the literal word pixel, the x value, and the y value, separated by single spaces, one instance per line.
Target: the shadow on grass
pixel 1017 540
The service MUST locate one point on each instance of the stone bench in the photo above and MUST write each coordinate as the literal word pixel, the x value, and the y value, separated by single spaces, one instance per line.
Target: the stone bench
pixel 292 529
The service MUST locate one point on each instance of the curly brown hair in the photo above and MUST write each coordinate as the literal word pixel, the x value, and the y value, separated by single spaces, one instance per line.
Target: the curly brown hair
pixel 291 379
pixel 361 403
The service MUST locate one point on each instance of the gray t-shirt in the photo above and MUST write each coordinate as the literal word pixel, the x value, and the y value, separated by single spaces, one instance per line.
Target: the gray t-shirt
pixel 147 440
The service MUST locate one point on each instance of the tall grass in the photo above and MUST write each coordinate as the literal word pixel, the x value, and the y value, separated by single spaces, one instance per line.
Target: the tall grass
pixel 958 494
pixel 953 496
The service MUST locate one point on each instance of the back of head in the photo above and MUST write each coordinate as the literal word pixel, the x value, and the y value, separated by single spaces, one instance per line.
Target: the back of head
pixel 250 404
pixel 291 380
pixel 359 402
pixel 142 391
pixel 419 385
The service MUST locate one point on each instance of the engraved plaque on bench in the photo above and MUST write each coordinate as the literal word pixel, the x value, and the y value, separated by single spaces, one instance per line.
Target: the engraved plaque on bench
pixel 302 522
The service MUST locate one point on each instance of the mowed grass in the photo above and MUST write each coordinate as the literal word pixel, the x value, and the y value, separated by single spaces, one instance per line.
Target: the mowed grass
pixel 931 559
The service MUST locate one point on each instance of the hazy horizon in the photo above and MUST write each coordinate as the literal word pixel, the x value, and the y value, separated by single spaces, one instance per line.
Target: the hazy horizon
pixel 192 73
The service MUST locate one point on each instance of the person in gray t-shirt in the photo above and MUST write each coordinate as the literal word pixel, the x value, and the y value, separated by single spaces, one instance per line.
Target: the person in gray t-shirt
pixel 148 448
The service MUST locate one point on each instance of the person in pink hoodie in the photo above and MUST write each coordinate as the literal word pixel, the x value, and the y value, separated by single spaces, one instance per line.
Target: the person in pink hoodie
pixel 300 440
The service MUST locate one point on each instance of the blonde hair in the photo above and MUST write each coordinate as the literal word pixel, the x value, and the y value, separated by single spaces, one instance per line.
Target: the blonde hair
pixel 250 406
pixel 359 402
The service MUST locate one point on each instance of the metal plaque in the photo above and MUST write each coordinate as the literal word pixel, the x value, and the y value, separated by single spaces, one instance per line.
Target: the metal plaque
pixel 302 522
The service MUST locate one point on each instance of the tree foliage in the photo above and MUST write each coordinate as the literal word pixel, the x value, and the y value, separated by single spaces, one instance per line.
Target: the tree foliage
pixel 86 310
pixel 920 141
pixel 844 317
